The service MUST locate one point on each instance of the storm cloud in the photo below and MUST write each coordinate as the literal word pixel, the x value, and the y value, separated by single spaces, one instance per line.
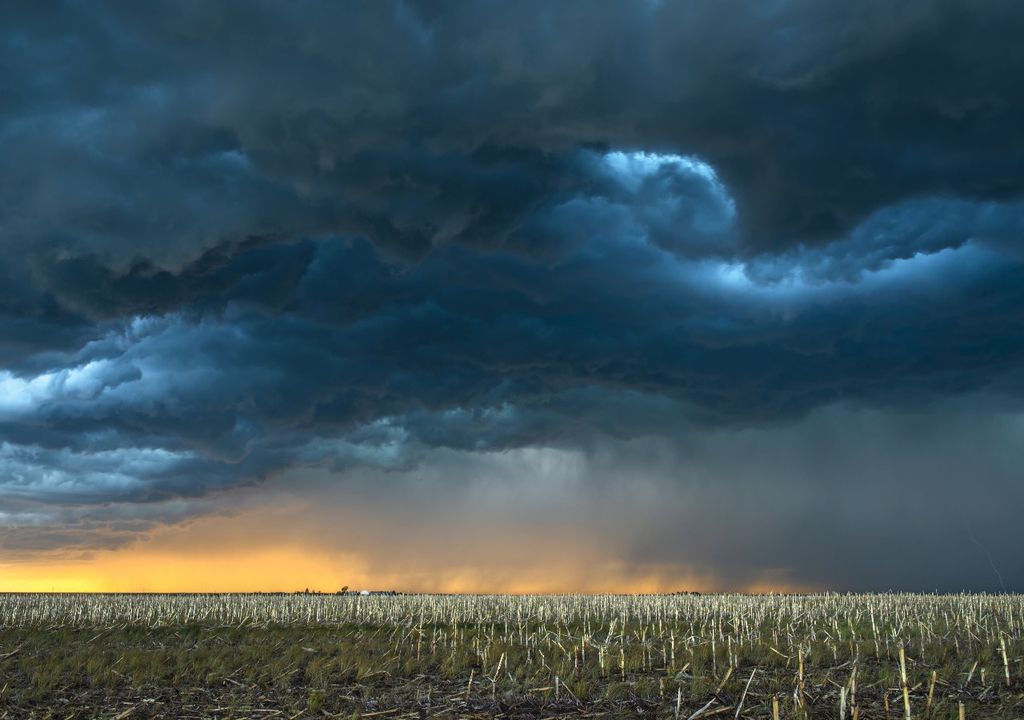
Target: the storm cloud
pixel 254 246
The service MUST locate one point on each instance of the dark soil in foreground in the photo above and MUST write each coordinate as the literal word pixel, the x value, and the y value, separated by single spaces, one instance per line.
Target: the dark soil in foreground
pixel 356 671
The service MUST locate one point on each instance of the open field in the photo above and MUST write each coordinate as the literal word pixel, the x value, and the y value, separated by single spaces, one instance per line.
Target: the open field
pixel 417 656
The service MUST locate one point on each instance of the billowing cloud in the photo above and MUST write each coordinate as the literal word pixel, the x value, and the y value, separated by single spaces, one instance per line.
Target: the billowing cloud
pixel 245 246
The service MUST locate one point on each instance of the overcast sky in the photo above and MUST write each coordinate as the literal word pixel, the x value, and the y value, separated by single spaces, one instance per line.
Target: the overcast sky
pixel 512 295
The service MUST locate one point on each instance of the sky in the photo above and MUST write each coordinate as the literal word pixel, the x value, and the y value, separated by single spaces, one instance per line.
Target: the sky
pixel 512 297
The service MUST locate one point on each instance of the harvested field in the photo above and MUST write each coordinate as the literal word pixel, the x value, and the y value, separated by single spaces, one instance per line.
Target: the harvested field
pixel 418 656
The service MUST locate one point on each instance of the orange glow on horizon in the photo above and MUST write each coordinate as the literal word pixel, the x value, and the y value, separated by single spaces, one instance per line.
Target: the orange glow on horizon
pixel 290 569
pixel 283 549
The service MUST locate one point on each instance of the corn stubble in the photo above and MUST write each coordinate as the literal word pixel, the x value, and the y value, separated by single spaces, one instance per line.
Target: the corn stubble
pixel 680 656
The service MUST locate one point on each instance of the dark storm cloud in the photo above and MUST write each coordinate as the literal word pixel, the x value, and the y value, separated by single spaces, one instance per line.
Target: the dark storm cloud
pixel 239 239
pixel 183 126
pixel 488 352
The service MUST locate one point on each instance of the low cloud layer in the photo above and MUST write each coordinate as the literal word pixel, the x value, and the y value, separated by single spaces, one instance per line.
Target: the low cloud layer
pixel 263 247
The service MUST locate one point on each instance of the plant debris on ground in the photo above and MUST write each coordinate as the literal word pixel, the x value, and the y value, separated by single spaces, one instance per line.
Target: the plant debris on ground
pixel 682 656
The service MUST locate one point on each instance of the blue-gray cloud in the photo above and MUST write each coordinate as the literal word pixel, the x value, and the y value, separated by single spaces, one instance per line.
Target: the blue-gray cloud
pixel 243 239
